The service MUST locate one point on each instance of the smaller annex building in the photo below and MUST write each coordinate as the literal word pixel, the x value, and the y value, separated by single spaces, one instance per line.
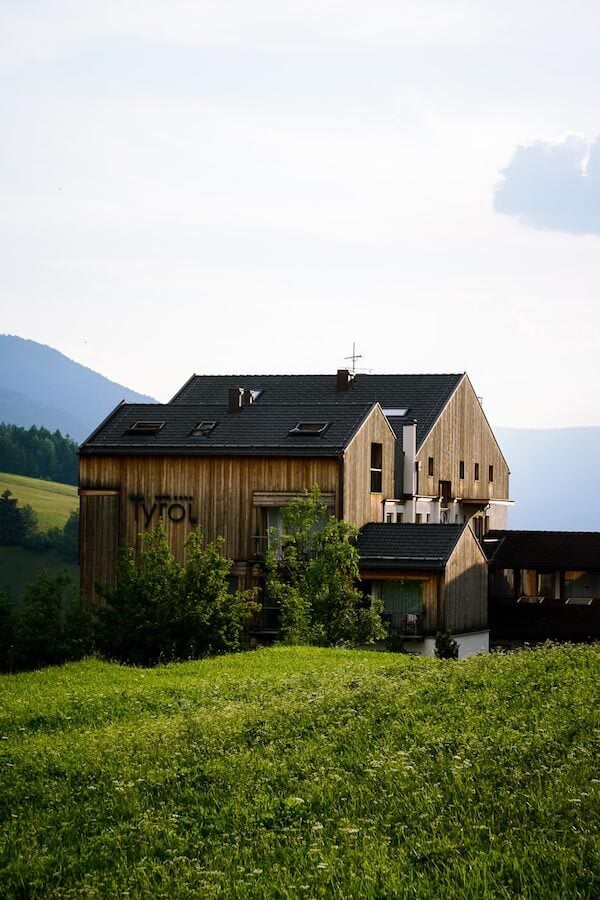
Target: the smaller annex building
pixel 543 585
pixel 429 579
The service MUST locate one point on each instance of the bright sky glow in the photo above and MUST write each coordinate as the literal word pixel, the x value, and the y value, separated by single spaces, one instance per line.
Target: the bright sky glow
pixel 250 187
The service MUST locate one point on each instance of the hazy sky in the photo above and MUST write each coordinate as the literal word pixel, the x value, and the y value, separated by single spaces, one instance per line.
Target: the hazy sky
pixel 236 186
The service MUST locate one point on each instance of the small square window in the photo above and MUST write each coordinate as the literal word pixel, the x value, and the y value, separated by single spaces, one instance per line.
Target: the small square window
pixel 307 428
pixel 145 427
pixel 203 429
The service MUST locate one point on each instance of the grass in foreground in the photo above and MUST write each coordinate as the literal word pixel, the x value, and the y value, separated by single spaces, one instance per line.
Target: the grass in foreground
pixel 52 501
pixel 304 772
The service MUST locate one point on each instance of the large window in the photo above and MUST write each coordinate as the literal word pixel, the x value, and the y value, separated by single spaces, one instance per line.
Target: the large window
pixel 376 468
pixel 403 606
pixel 582 584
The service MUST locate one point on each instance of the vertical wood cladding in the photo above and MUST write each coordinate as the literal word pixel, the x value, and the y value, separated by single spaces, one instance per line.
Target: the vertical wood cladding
pixel 360 504
pixel 465 589
pixel 462 433
pixel 98 540
pixel 215 494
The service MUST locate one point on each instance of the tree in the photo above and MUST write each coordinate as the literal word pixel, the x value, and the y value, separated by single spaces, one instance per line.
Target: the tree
pixel 311 574
pixel 161 611
pixel 16 523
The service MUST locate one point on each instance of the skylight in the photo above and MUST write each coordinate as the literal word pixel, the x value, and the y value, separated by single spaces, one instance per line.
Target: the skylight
pixel 146 427
pixel 203 429
pixel 396 411
pixel 314 428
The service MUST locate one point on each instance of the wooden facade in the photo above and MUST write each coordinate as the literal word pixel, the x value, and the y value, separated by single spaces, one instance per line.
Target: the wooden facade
pixel 122 496
pixel 462 433
pixel 453 597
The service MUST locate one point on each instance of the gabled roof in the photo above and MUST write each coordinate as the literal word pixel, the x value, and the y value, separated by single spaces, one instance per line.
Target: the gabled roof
pixel 383 545
pixel 424 396
pixel 252 431
pixel 551 550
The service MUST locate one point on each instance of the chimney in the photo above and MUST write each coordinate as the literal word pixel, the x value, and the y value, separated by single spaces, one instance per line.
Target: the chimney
pixel 236 396
pixel 344 380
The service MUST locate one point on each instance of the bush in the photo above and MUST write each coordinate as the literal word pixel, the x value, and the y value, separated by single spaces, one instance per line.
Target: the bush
pixel 161 611
pixel 445 646
pixel 312 572
pixel 45 627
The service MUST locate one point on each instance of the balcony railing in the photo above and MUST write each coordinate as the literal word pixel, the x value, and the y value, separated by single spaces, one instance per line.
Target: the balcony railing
pixel 407 624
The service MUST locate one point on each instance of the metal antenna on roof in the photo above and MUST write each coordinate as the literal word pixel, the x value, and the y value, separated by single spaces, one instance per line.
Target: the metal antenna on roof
pixel 354 357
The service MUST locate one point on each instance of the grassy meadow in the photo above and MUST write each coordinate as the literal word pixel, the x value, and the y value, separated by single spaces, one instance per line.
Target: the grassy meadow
pixel 294 772
pixel 53 502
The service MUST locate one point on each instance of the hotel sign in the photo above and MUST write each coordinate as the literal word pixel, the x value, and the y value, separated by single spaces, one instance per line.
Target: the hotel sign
pixel 174 507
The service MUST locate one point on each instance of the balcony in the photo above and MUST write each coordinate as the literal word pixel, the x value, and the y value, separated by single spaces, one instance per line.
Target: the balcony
pixel 409 624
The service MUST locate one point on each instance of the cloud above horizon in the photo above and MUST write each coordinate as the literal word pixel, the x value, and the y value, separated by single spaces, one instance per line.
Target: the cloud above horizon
pixel 553 186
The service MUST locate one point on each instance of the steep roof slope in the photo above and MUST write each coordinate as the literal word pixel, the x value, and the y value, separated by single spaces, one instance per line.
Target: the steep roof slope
pixel 254 430
pixel 384 545
pixel 423 396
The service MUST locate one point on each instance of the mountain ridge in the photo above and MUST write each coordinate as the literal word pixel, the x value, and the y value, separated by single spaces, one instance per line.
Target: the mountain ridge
pixel 41 386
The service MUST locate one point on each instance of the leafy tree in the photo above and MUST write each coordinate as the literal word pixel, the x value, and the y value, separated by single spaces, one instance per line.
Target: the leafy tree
pixel 161 610
pixel 312 572
pixel 46 628
pixel 17 523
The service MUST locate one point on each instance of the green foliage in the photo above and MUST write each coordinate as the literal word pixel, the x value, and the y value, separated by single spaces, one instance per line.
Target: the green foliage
pixel 304 772
pixel 445 646
pixel 39 453
pixel 17 523
pixel 311 574
pixel 394 643
pixel 45 627
pixel 161 611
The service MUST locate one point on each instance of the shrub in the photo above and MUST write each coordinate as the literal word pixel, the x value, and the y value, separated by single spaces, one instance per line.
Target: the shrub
pixel 46 627
pixel 312 572
pixel 161 611
pixel 445 646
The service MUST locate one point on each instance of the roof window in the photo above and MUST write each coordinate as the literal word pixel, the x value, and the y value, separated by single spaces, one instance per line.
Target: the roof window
pixel 203 429
pixel 396 412
pixel 314 428
pixel 146 427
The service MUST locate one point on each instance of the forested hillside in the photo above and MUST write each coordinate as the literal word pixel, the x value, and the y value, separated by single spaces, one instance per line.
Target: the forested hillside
pixel 38 453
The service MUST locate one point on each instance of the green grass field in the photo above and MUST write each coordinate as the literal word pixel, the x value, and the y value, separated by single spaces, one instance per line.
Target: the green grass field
pixel 304 773
pixel 53 502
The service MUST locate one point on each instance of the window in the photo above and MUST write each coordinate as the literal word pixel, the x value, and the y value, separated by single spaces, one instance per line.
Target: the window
pixel 430 465
pixel 476 472
pixel 146 427
pixel 307 428
pixel 395 412
pixel 202 429
pixel 461 469
pixel 389 517
pixel 399 517
pixel 490 473
pixel 376 468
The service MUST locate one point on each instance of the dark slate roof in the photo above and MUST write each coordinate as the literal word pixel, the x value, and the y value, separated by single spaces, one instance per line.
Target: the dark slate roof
pixel 577 550
pixel 384 545
pixel 424 395
pixel 253 431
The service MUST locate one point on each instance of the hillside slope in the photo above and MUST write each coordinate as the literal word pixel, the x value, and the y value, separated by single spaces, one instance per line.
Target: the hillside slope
pixel 297 772
pixel 40 386
pixel 53 502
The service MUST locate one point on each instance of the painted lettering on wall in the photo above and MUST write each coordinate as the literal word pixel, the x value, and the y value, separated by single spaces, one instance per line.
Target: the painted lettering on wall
pixel 174 507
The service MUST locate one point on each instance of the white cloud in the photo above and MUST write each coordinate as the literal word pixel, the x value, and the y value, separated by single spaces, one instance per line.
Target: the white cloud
pixel 553 186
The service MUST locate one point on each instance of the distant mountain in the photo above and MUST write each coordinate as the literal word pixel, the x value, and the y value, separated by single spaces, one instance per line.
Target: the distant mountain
pixel 553 477
pixel 40 386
